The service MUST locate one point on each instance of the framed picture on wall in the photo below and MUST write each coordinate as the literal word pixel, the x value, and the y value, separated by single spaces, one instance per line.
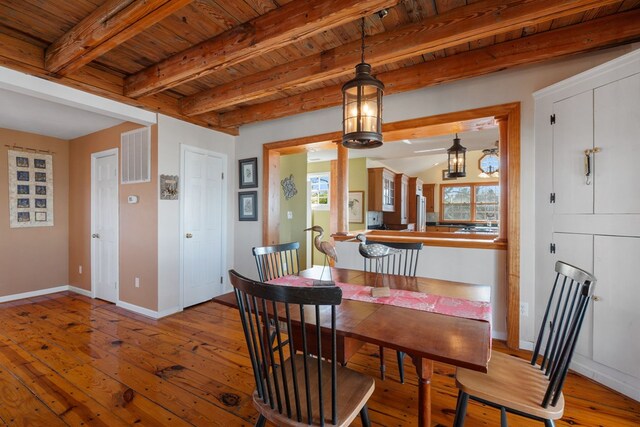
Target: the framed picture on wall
pixel 356 206
pixel 248 206
pixel 248 169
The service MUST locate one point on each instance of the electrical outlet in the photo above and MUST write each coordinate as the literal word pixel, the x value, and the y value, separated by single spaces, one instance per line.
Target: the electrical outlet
pixel 137 282
pixel 79 269
pixel 524 309
pixel 289 215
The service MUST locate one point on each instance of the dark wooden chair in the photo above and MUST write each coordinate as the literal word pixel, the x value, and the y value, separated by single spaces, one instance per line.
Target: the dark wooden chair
pixel 404 263
pixel 533 388
pixel 277 260
pixel 296 389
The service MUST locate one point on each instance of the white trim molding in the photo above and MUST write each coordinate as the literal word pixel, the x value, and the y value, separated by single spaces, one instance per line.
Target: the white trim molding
pixel 32 294
pixel 85 292
pixel 148 312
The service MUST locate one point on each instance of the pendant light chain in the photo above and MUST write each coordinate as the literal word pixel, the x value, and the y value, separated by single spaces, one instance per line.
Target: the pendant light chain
pixel 363 46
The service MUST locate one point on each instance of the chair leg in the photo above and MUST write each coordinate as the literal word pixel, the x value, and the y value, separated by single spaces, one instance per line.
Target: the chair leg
pixel 461 409
pixel 382 367
pixel 364 416
pixel 503 417
pixel 549 423
pixel 401 355
pixel 261 421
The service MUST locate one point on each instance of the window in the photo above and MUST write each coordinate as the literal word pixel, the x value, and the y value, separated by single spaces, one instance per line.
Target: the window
pixel 472 202
pixel 319 191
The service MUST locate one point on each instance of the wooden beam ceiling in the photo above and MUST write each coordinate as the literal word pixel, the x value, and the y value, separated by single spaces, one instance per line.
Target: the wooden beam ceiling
pixel 273 30
pixel 454 27
pixel 590 35
pixel 115 22
pixel 28 58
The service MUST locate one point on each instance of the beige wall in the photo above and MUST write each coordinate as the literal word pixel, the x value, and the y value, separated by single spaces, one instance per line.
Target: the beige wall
pixel 138 222
pixel 33 259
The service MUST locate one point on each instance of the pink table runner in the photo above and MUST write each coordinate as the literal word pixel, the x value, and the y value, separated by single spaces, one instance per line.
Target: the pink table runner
pixel 459 307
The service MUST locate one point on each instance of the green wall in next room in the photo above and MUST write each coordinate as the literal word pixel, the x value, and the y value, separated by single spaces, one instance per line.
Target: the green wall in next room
pixel 292 230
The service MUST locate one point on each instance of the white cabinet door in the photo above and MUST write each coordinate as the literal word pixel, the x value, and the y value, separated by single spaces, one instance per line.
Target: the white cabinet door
pixel 572 134
pixel 615 313
pixel 617 130
pixel 577 250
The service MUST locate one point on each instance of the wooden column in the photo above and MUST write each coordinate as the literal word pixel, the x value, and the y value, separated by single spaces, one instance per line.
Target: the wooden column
pixel 504 177
pixel 342 189
pixel 271 194
pixel 333 197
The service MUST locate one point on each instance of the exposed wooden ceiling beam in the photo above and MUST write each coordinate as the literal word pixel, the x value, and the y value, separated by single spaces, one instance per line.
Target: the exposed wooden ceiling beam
pixel 111 24
pixel 464 24
pixel 280 27
pixel 591 35
pixel 28 58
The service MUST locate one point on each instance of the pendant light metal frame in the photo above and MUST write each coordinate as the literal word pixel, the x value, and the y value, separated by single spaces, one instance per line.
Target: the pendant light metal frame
pixel 458 167
pixel 368 128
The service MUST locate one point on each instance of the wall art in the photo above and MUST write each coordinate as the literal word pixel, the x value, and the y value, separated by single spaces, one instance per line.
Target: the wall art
pixel 248 206
pixel 168 187
pixel 289 187
pixel 248 172
pixel 30 189
pixel 356 206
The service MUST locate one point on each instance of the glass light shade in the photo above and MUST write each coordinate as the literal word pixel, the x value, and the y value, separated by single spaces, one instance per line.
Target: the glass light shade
pixel 362 110
pixel 457 159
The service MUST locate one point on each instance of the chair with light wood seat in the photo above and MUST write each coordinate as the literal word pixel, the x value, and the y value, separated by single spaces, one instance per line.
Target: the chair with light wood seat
pixel 298 389
pixel 533 389
pixel 404 263
pixel 277 260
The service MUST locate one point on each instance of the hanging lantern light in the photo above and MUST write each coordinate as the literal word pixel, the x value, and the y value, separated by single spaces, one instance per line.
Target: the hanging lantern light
pixel 362 107
pixel 457 159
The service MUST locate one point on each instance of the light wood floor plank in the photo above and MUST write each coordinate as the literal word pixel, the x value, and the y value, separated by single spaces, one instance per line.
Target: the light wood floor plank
pixel 72 358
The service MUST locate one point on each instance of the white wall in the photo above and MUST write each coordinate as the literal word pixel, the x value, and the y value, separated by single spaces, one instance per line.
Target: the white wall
pixel 498 88
pixel 171 134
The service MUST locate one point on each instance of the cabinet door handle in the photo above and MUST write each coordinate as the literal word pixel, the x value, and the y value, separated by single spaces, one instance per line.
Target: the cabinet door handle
pixel 587 163
pixel 596 298
pixel 95 235
pixel 189 235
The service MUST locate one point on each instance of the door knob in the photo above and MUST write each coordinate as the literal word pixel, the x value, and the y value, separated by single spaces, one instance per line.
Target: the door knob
pixel 95 235
pixel 189 235
pixel 596 298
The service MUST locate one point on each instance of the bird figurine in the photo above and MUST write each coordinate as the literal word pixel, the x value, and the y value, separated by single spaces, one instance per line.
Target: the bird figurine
pixel 375 251
pixel 328 249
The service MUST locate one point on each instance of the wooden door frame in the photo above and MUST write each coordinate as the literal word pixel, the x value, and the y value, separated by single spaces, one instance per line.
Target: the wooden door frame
pixel 508 118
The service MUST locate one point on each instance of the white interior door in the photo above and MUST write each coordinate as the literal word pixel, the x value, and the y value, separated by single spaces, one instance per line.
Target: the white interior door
pixel 204 204
pixel 104 230
pixel 572 134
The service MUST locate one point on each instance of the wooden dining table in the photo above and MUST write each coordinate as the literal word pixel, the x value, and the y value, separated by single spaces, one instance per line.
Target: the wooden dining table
pixel 424 336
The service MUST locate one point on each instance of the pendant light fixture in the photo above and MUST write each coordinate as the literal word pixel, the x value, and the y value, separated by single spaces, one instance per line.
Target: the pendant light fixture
pixel 457 159
pixel 362 107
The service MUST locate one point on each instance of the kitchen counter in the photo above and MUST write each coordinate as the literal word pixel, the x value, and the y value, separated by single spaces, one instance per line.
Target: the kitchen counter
pixel 477 240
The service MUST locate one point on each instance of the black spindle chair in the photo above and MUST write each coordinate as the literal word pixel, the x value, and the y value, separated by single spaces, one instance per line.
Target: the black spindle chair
pixel 277 260
pixel 404 263
pixel 534 389
pixel 295 389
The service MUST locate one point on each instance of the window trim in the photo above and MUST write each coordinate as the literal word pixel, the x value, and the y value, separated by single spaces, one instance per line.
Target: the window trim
pixel 320 207
pixel 472 202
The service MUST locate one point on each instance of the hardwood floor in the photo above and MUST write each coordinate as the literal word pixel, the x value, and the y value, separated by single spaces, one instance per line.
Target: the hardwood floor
pixel 69 360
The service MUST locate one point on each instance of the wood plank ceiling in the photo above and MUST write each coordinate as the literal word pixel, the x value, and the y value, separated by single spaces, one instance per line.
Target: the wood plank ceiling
pixel 224 63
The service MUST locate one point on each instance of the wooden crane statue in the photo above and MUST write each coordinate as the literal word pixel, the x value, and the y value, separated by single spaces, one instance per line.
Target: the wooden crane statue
pixel 375 251
pixel 328 249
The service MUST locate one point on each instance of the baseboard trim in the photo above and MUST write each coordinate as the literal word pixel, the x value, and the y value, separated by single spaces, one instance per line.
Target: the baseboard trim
pixel 596 372
pixel 32 294
pixel 80 291
pixel 140 310
pixel 169 311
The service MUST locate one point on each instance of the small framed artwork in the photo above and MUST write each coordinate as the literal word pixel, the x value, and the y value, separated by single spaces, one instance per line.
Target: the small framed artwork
pixel 248 172
pixel 23 203
pixel 41 216
pixel 41 176
pixel 23 189
pixel 22 162
pixel 248 206
pixel 24 217
pixel 41 190
pixel 40 163
pixel 41 203
pixel 22 176
pixel 445 175
pixel 356 206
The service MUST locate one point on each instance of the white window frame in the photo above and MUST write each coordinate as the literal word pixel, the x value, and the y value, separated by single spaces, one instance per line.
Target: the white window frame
pixel 315 206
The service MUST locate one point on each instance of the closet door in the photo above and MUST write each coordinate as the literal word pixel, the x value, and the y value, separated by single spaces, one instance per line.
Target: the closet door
pixel 617 126
pixel 577 250
pixel 572 134
pixel 616 319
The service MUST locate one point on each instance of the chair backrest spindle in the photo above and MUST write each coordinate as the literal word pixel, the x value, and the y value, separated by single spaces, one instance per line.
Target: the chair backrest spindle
pixel 277 260
pixel 404 263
